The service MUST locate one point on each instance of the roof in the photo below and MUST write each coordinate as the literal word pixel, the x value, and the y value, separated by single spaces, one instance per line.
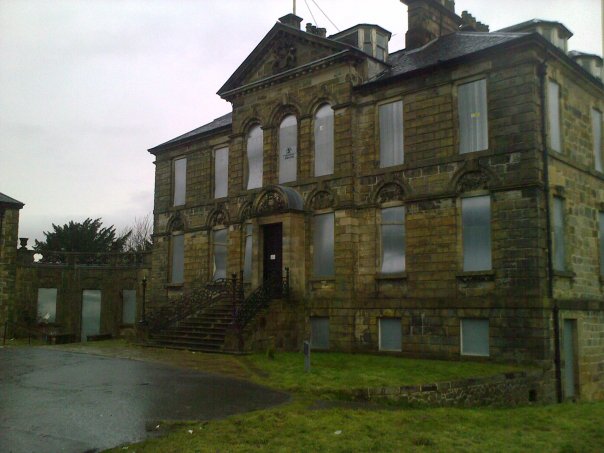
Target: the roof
pixel 6 200
pixel 443 49
pixel 356 27
pixel 522 26
pixel 223 121
pixel 576 54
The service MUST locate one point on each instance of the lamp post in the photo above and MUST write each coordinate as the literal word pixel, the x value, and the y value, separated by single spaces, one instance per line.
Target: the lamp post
pixel 143 320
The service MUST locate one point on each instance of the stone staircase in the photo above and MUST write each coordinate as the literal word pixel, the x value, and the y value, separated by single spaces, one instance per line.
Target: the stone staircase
pixel 204 331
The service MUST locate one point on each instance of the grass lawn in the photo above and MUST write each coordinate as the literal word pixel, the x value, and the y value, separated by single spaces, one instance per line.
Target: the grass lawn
pixel 297 427
pixel 336 371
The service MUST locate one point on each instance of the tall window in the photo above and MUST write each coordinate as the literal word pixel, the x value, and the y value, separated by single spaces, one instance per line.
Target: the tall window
pixel 391 134
pixel 247 254
pixel 473 117
pixel 559 247
pixel 601 223
pixel 324 141
pixel 47 305
pixel 393 240
pixel 476 233
pixel 553 115
pixel 177 259
pixel 255 150
pixel 220 253
pixel 221 172
pixel 288 149
pixel 596 127
pixel 180 181
pixel 323 245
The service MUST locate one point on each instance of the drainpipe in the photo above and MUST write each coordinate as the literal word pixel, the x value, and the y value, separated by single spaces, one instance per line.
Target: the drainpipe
pixel 550 264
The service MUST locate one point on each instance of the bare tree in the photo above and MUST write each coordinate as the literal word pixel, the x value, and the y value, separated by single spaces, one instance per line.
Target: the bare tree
pixel 140 236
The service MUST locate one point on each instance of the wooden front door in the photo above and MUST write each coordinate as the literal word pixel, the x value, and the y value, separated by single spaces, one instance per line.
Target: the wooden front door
pixel 273 252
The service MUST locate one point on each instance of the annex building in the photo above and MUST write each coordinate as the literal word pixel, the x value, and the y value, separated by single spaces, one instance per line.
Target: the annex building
pixel 441 201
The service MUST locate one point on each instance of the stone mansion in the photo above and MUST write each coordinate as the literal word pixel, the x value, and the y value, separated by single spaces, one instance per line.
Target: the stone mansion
pixel 441 201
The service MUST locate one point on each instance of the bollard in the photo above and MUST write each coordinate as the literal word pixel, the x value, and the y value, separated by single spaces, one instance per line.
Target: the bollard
pixel 306 356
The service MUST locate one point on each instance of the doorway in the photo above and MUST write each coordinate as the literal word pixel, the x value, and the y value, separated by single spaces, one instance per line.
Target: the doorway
pixel 273 254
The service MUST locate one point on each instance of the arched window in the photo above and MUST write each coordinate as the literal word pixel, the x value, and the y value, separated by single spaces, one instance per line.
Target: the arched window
pixel 324 141
pixel 288 149
pixel 255 147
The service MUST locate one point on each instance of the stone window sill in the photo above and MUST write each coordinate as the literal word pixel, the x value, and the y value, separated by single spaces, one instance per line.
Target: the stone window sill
pixel 393 276
pixel 173 286
pixel 322 279
pixel 564 274
pixel 476 276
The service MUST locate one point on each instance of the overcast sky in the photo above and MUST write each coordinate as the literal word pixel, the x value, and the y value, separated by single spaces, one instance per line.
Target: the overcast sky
pixel 87 86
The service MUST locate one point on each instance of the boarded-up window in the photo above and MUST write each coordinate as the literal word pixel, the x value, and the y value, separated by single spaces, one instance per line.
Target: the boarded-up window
pixel 319 333
pixel 255 150
pixel 128 306
pixel 324 141
pixel 177 274
pixel 476 231
pixel 553 115
pixel 559 246
pixel 391 334
pixel 47 305
pixel 221 172
pixel 601 221
pixel 391 134
pixel 220 253
pixel 393 240
pixel 91 313
pixel 180 181
pixel 473 117
pixel 475 337
pixel 323 245
pixel 247 254
pixel 596 127
pixel 288 149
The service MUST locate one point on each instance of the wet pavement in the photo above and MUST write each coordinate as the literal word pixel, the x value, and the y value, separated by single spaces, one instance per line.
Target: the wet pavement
pixel 56 401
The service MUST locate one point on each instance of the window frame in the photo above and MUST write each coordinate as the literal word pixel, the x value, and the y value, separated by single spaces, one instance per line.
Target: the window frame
pixel 175 185
pixel 214 268
pixel 598 153
pixel 247 172
pixel 331 151
pixel 224 174
pixel 601 243
pixel 380 329
pixel 380 141
pixel 327 321
pixel 282 167
pixel 461 131
pixel 550 119
pixel 39 319
pixel 380 242
pixel 316 257
pixel 559 239
pixel 461 337
pixel 173 236
pixel 464 254
pixel 248 233
pixel 124 306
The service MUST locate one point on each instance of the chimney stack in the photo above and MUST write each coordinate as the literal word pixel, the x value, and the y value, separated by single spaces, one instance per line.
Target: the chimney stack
pixel 314 30
pixel 292 20
pixel 430 19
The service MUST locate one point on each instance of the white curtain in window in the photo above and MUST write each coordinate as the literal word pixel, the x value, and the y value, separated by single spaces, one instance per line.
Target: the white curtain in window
pixel 324 141
pixel 220 253
pixel 288 149
pixel 473 117
pixel 221 172
pixel 255 150
pixel 323 245
pixel 476 228
pixel 393 240
pixel 391 134
pixel 180 181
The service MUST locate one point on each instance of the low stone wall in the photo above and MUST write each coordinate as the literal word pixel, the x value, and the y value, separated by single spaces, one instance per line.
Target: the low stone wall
pixel 508 389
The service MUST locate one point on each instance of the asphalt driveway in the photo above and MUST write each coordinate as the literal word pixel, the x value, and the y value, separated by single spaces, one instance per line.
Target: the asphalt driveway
pixel 56 401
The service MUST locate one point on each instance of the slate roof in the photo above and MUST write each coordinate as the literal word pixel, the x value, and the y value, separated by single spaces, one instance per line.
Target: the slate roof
pixel 6 200
pixel 442 50
pixel 523 26
pixel 218 123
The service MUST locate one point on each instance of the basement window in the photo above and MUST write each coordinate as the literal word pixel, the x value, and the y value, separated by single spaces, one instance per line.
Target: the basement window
pixel 319 332
pixel 473 117
pixel 391 334
pixel 128 306
pixel 221 172
pixel 47 305
pixel 474 335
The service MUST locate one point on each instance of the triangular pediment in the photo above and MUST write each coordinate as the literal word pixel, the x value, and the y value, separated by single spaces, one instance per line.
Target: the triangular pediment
pixel 283 49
